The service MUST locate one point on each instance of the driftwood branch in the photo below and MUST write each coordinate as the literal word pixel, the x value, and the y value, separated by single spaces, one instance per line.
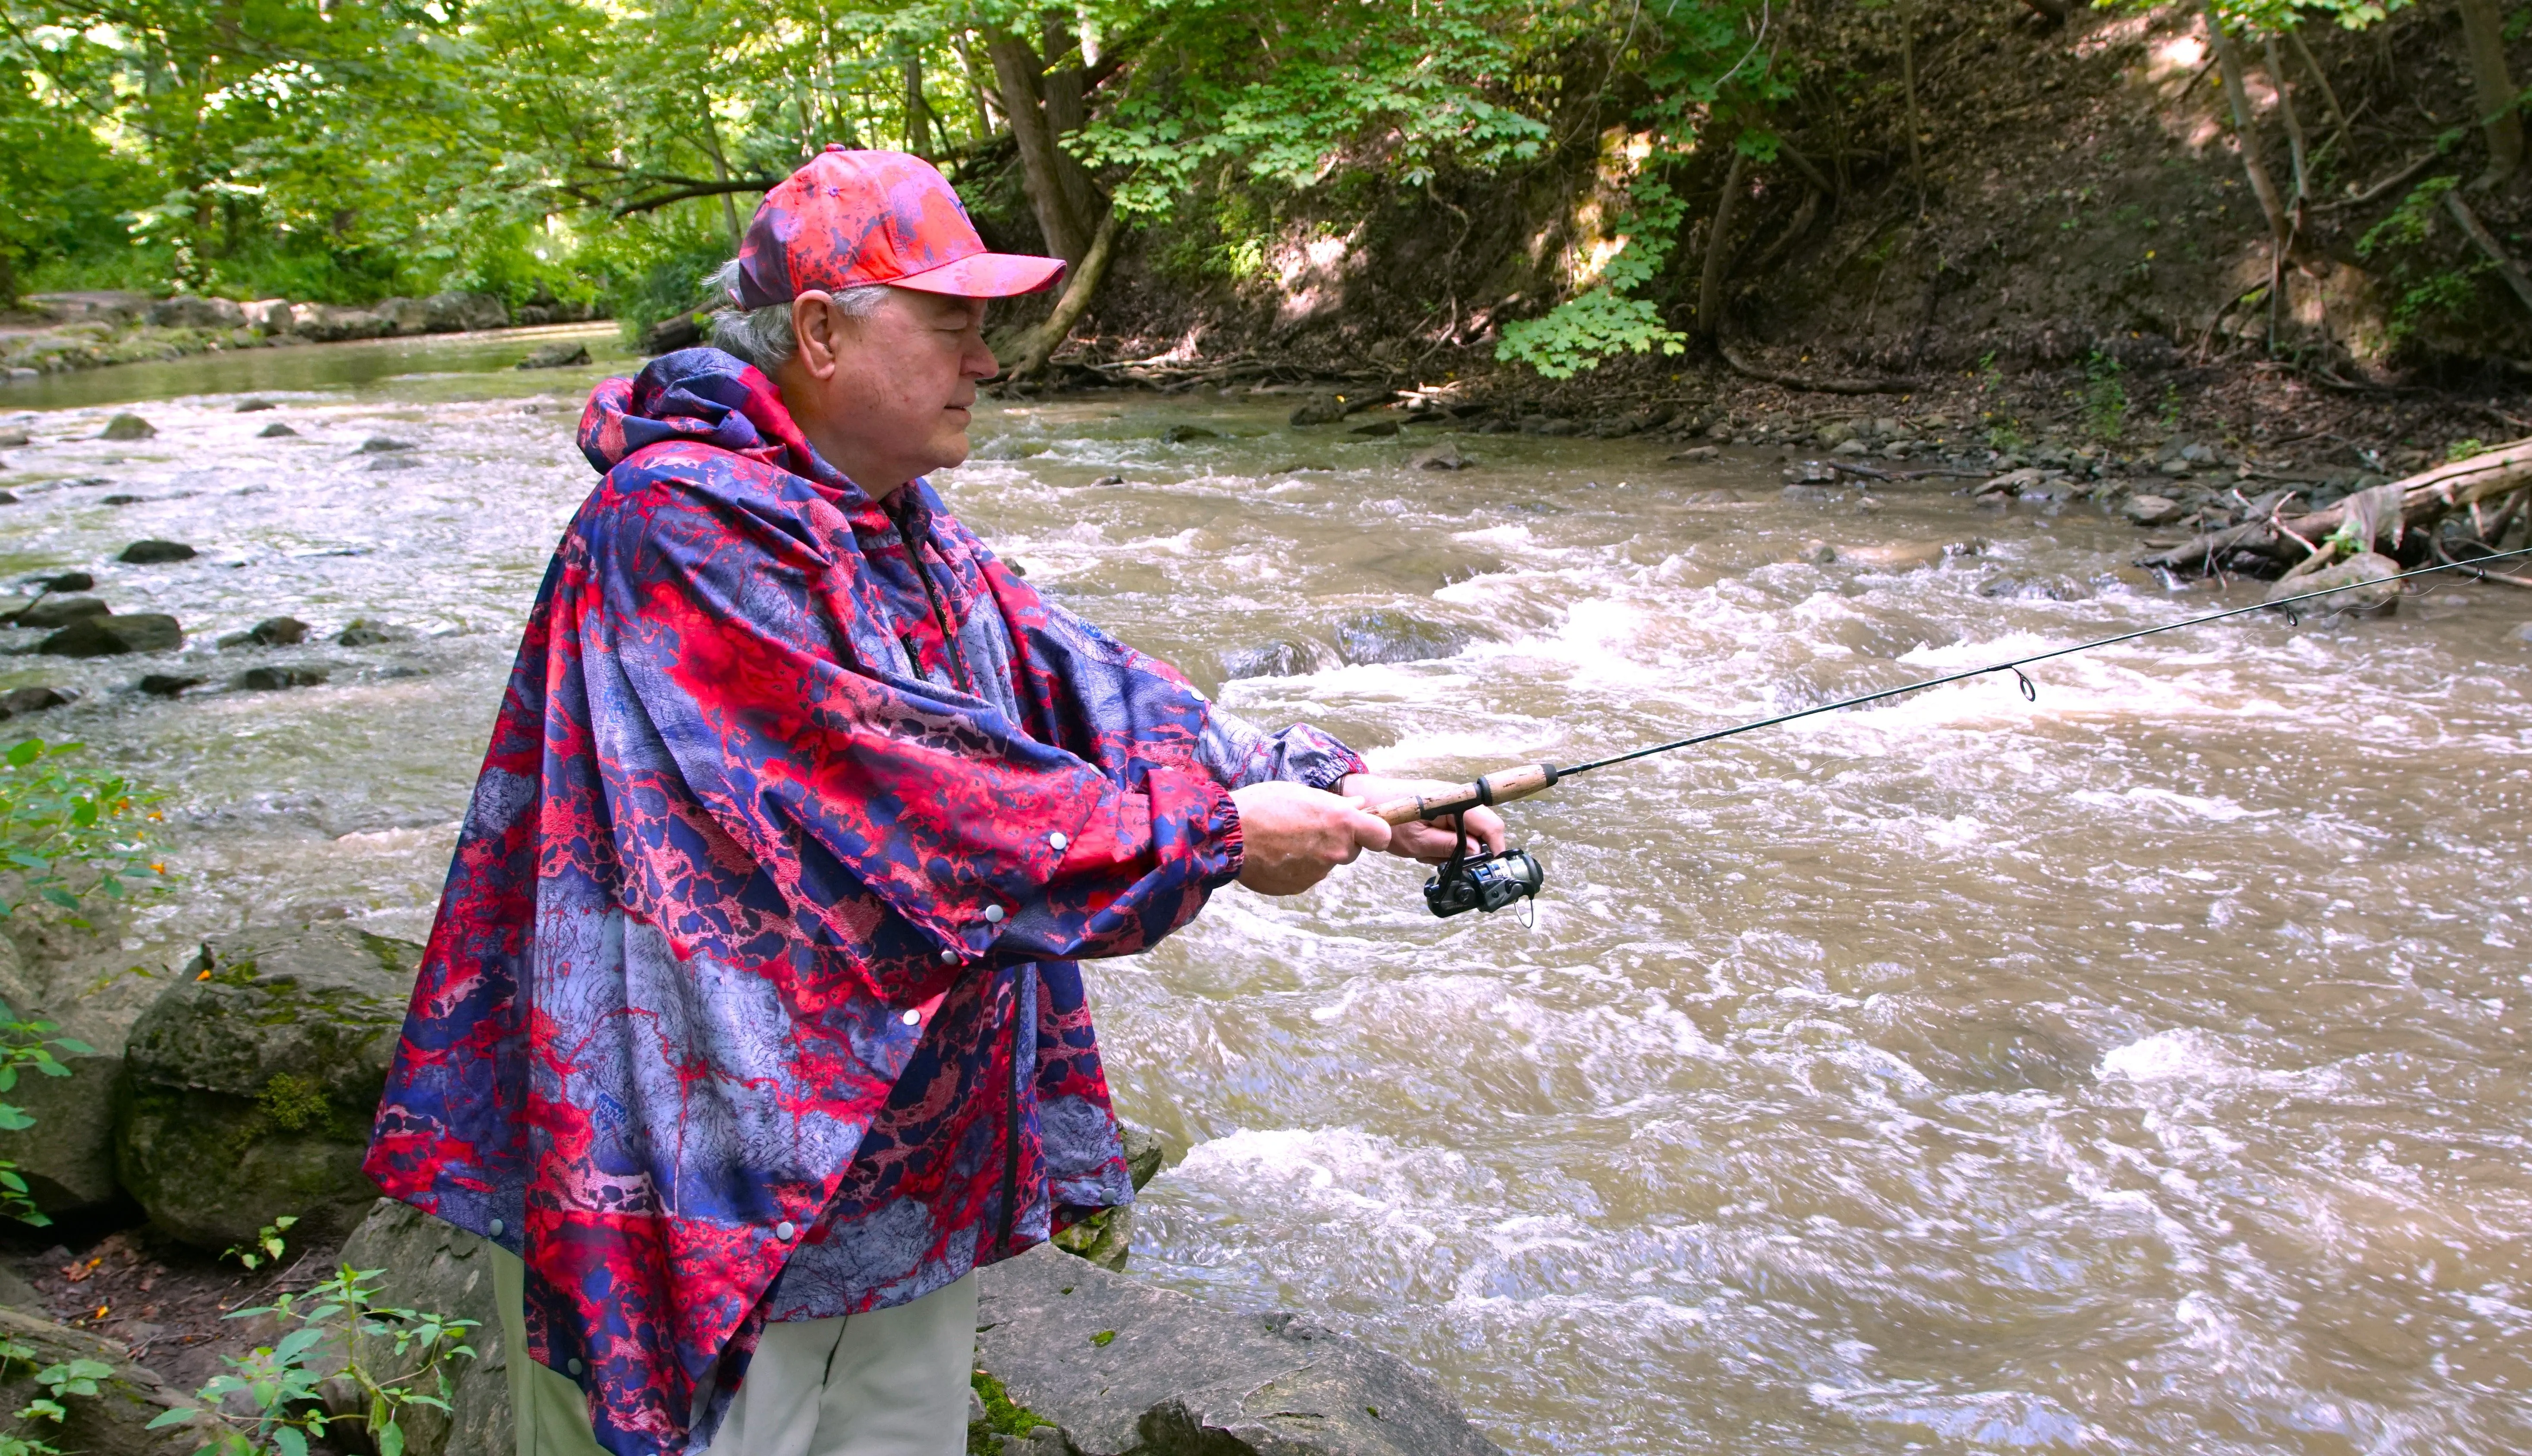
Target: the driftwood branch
pixel 2426 498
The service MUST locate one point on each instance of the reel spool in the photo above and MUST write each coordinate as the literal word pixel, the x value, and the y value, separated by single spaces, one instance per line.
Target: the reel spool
pixel 1488 883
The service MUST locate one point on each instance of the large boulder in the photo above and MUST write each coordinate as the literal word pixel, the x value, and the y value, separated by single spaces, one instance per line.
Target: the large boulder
pixel 428 1266
pixel 113 1421
pixel 67 1156
pixel 1129 1367
pixel 404 316
pixel 460 313
pixel 271 315
pixel 2360 587
pixel 253 1082
pixel 324 324
pixel 186 310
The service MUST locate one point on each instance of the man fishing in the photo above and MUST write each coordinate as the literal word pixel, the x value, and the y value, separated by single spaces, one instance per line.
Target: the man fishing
pixel 751 1024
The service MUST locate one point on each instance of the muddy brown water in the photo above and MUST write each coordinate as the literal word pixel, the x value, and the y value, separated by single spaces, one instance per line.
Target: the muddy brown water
pixel 2141 1069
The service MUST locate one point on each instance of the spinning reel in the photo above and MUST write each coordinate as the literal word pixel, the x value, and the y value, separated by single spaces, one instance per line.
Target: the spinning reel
pixel 1488 883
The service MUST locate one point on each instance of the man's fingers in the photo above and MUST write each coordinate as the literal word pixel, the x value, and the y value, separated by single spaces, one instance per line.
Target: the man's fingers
pixel 1371 831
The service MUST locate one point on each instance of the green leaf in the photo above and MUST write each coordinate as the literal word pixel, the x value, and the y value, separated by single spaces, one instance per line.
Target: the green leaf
pixel 25 752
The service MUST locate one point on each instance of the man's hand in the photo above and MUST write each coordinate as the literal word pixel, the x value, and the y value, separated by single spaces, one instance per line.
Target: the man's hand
pixel 1294 835
pixel 1428 841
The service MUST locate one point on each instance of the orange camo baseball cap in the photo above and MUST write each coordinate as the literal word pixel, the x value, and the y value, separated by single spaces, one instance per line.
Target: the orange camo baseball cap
pixel 850 219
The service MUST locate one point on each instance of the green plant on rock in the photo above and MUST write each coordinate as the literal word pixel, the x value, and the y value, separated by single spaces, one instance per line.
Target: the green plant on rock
pixel 63 1380
pixel 1002 1417
pixel 66 834
pixel 26 1045
pixel 337 1320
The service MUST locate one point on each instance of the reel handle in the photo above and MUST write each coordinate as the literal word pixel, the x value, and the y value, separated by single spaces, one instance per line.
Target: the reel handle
pixel 1502 786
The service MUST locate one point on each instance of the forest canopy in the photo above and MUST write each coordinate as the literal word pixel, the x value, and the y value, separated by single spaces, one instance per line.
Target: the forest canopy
pixel 608 152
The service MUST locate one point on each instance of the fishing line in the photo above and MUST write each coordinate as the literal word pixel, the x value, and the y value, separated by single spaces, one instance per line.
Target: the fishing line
pixel 1491 882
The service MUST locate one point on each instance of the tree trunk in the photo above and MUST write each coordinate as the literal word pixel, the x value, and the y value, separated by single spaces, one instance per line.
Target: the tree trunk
pixel 720 173
pixel 1718 252
pixel 918 112
pixel 2255 161
pixel 1908 74
pixel 2295 147
pixel 1043 164
pixel 2483 30
pixel 987 121
pixel 1041 342
pixel 2321 78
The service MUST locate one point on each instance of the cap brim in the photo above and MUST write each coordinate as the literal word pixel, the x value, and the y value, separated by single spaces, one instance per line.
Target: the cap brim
pixel 986 275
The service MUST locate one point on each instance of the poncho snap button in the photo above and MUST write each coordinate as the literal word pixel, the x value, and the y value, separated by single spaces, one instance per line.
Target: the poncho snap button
pixel 993 914
pixel 912 1018
pixel 496 1228
pixel 575 1367
pixel 1057 839
pixel 785 1229
pixel 948 957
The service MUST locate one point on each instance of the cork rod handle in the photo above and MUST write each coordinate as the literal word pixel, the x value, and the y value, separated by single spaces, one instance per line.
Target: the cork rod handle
pixel 1502 786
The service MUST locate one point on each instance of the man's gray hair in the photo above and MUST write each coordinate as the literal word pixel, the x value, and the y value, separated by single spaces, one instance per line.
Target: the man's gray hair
pixel 762 336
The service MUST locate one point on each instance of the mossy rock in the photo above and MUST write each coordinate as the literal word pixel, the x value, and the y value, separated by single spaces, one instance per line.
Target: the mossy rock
pixel 114 1421
pixel 253 1082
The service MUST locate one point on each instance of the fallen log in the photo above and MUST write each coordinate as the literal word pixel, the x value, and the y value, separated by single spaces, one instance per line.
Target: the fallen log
pixel 2415 503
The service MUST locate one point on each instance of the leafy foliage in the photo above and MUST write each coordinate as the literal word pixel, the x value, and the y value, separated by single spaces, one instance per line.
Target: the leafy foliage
pixel 61 1380
pixel 331 1332
pixel 66 834
pixel 267 1246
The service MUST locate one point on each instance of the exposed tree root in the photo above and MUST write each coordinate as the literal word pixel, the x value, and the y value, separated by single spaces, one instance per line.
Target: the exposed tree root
pixel 2422 500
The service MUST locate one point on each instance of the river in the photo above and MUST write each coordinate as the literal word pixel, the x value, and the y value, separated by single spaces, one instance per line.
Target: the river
pixel 2139 1068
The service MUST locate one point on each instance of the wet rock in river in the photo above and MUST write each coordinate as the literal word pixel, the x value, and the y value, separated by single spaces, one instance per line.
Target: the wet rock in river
pixel 251 406
pixel 1377 429
pixel 69 581
pixel 112 635
pixel 119 501
pixel 278 679
pixel 383 445
pixel 252 1089
pixel 276 430
pixel 2035 588
pixel 168 683
pixel 271 631
pixel 2152 510
pixel 561 354
pixel 1277 659
pixel 1448 458
pixel 1812 494
pixel 18 702
pixel 396 462
pixel 1322 408
pixel 50 612
pixel 1180 434
pixel 127 427
pixel 1124 1365
pixel 2367 592
pixel 155 553
pixel 1395 637
pixel 9 498
pixel 1699 454
pixel 361 632
pixel 12 438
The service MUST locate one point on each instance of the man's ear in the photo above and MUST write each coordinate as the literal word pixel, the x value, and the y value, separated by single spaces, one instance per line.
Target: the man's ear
pixel 814 325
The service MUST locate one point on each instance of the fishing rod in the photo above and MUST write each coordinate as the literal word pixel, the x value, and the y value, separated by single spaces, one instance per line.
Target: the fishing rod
pixel 1491 882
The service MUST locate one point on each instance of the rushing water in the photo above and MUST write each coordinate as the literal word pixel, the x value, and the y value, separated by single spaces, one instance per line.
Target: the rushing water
pixel 2138 1070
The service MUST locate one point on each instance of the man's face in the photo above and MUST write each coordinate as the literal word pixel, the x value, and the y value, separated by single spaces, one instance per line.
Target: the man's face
pixel 888 395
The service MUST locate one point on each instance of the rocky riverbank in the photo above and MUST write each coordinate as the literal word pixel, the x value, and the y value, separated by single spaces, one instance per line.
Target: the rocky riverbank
pixel 64 331
pixel 236 1090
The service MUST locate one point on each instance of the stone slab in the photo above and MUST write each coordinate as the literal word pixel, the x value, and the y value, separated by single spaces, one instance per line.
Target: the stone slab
pixel 1128 1368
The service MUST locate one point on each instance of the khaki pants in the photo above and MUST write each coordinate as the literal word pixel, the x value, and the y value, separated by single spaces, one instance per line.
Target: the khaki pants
pixel 891 1382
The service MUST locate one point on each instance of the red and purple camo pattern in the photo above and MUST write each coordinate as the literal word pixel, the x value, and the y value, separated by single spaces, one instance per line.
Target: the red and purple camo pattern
pixel 760 938
pixel 851 218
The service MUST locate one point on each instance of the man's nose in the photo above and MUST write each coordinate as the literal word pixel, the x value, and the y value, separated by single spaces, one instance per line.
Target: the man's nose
pixel 978 363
